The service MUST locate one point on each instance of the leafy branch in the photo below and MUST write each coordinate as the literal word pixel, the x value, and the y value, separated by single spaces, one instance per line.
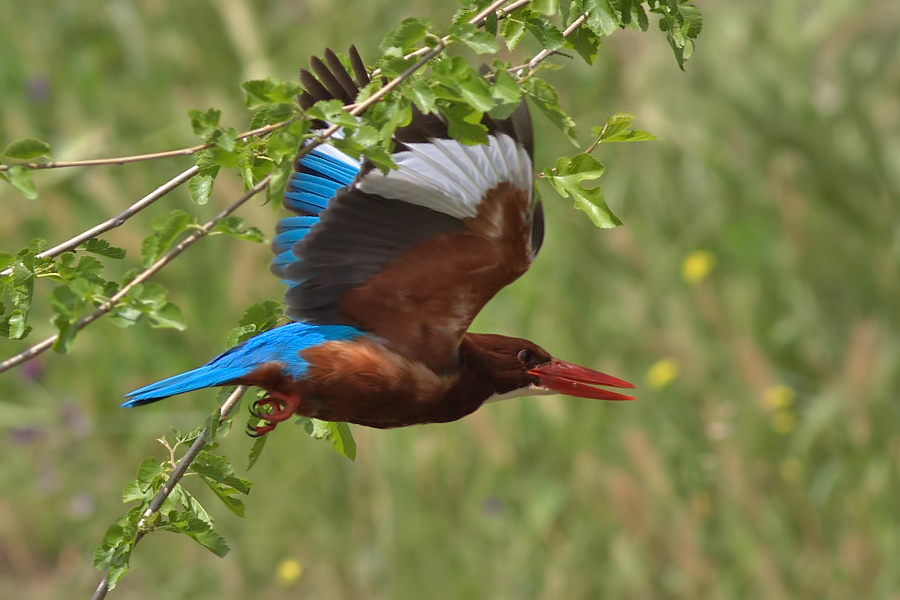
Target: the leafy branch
pixel 143 276
pixel 157 486
pixel 115 221
pixel 25 149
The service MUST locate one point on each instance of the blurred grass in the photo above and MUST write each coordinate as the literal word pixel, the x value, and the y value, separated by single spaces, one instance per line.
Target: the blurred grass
pixel 762 458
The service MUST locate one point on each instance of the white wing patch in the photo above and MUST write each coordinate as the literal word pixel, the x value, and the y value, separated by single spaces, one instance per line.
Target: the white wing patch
pixel 450 177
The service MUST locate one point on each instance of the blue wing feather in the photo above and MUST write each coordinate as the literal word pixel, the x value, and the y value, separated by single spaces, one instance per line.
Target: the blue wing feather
pixel 320 174
pixel 280 345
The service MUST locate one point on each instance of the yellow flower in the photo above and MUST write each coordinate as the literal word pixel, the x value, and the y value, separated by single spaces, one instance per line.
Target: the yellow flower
pixel 778 397
pixel 289 571
pixel 697 266
pixel 783 421
pixel 662 373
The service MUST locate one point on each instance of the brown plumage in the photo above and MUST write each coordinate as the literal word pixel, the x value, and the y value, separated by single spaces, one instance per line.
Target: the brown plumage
pixel 387 278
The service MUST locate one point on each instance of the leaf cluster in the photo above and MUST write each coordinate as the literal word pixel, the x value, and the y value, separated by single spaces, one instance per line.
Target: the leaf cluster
pixel 180 511
pixel 82 287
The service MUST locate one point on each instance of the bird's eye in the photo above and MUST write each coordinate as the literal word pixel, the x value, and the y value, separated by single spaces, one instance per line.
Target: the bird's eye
pixel 525 356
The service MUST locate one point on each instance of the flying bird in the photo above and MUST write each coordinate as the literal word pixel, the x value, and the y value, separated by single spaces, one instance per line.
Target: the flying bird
pixel 387 271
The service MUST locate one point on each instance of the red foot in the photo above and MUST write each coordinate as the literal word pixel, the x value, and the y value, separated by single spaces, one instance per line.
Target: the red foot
pixel 274 408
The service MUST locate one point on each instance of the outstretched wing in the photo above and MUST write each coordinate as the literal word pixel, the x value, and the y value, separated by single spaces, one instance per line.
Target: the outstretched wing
pixel 413 255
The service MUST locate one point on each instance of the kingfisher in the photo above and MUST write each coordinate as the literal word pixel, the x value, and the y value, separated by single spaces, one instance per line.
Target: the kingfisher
pixel 385 273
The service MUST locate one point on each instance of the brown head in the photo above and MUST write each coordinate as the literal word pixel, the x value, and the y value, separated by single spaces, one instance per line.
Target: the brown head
pixel 522 368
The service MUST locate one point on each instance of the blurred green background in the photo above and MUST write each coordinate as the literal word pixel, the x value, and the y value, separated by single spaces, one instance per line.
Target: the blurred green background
pixel 753 295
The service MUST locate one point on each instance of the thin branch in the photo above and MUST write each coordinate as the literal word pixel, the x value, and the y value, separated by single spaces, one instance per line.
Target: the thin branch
pixel 596 142
pixel 478 19
pixel 144 275
pixel 179 471
pixel 121 160
pixel 543 54
pixel 116 221
pixel 504 12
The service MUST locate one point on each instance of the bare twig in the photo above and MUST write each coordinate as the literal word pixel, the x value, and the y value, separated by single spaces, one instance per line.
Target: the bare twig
pixel 504 12
pixel 121 160
pixel 118 220
pixel 144 275
pixel 179 471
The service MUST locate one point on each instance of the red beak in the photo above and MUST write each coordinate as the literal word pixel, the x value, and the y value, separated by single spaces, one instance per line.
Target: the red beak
pixel 570 379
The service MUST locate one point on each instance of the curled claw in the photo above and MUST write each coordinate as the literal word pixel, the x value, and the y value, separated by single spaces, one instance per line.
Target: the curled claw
pixel 266 402
pixel 272 410
pixel 259 430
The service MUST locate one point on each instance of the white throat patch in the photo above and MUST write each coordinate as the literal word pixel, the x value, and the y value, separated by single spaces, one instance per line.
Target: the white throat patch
pixel 531 390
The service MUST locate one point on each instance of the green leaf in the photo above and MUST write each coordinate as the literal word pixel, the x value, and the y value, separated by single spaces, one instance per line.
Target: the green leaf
pixel 479 41
pixel 167 228
pixel 167 316
pixel 682 23
pixel 342 439
pixel 89 268
pixel 148 470
pixel 464 124
pixel 567 178
pixel 386 116
pixel 26 149
pixel 20 178
pixel 506 93
pixel 639 19
pixel 693 21
pixel 549 36
pixel 544 95
pixel 257 318
pixel 512 30
pixel 281 175
pixel 193 506
pixel 226 495
pixel 603 19
pixel 211 540
pixel 256 450
pixel 16 323
pixel 115 574
pixel 459 81
pixel 617 130
pixel 548 7
pixel 103 248
pixel 6 259
pixel 404 39
pixel 419 91
pixel 64 300
pixel 206 123
pixel 585 43
pixel 273 113
pixel 234 226
pixel 226 139
pixel 200 187
pixel 261 92
pixel 332 111
pixel 380 157
pixel 132 492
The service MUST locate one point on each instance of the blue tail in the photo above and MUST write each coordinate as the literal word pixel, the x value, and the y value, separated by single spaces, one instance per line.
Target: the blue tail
pixel 281 345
